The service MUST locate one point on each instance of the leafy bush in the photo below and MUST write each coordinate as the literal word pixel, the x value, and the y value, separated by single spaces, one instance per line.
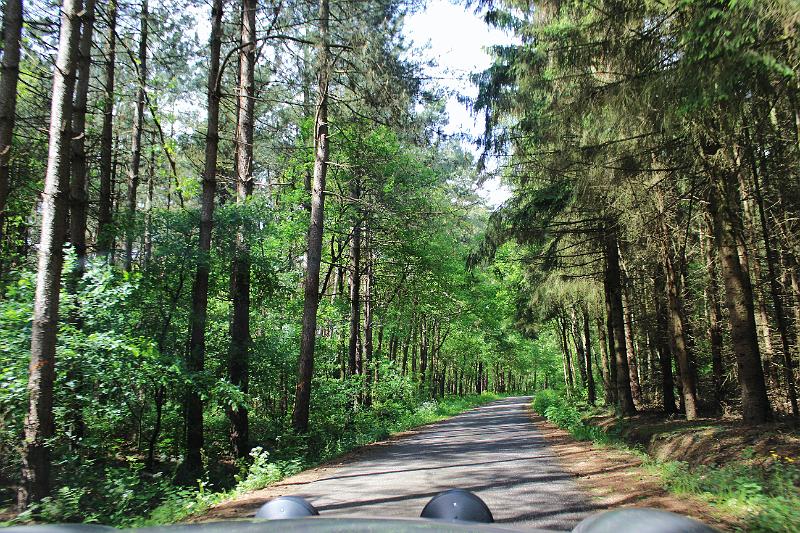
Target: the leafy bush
pixel 260 473
pixel 564 415
pixel 568 414
pixel 544 399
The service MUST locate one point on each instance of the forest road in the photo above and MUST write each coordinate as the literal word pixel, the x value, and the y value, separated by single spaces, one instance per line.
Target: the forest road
pixel 494 450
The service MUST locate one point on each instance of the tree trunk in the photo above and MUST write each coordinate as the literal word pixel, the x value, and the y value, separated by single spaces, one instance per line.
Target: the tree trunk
pixel 714 315
pixel 676 324
pixel 78 198
pixel 662 344
pixel 794 282
pixel 238 351
pixel 579 349
pixel 587 336
pixel 630 346
pixel 78 202
pixel 392 345
pixel 747 246
pixel 311 301
pixel 199 313
pixel 136 141
pixel 404 364
pixel 739 301
pixel 148 225
pixel 613 292
pixel 105 231
pixel 423 353
pixel 608 396
pixel 35 483
pixel 569 382
pixel 12 34
pixel 355 285
pixel 368 319
pixel 777 295
pixel 151 448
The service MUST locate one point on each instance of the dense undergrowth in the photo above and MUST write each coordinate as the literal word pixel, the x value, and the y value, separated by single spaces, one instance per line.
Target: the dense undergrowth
pixel 763 492
pixel 131 497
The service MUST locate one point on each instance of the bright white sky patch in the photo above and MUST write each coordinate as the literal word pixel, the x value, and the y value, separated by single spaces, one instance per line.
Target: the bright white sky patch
pixel 456 38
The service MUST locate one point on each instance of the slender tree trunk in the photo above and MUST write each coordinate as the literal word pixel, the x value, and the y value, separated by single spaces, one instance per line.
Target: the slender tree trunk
pixel 78 201
pixel 739 301
pixel 777 296
pixel 339 278
pixel 747 245
pixel 794 282
pixel 662 346
pixel 630 346
pixel 35 483
pixel 238 351
pixel 148 225
pixel 199 313
pixel 368 319
pixel 714 315
pixel 392 345
pixel 379 349
pixel 355 285
pixel 569 382
pixel 404 364
pixel 105 232
pixel 676 323
pixel 151 448
pixel 136 141
pixel 311 301
pixel 12 35
pixel 579 348
pixel 587 336
pixel 613 292
pixel 608 388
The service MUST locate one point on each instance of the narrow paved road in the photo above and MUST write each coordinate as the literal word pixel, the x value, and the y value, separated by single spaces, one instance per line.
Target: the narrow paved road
pixel 494 450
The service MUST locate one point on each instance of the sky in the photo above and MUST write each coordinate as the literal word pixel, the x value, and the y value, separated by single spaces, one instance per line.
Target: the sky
pixel 456 38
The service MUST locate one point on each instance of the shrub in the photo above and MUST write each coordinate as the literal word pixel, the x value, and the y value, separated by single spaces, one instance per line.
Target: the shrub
pixel 544 399
pixel 260 473
pixel 568 414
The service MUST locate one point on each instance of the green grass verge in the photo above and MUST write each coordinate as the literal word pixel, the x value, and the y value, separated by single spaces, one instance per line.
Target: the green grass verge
pixel 764 495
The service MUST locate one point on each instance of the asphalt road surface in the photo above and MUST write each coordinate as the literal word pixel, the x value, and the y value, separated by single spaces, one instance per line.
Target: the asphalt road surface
pixel 494 450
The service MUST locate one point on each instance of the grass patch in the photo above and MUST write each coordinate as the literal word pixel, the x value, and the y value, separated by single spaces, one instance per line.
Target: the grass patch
pixel 764 494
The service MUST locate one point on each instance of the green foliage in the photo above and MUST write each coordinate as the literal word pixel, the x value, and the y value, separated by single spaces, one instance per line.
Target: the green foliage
pixel 766 495
pixel 260 473
pixel 568 414
pixel 115 495
pixel 544 399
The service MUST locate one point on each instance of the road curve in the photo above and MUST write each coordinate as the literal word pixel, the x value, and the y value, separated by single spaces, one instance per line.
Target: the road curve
pixel 493 450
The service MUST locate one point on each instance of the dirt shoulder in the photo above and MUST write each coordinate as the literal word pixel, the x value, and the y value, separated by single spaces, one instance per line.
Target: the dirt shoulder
pixel 615 478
